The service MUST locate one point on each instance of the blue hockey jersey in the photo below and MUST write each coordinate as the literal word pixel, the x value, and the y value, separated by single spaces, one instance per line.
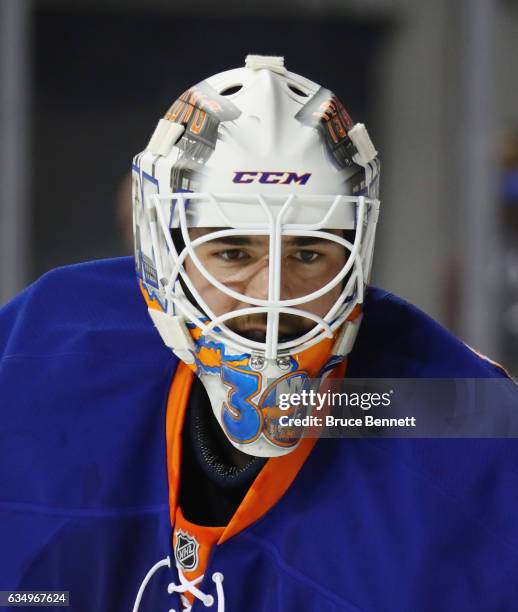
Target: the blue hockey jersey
pixel 367 525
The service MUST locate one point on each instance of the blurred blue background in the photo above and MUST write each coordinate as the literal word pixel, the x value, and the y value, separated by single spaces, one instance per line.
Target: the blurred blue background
pixel 83 83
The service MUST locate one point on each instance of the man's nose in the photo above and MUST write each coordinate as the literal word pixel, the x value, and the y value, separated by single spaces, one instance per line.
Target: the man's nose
pixel 257 281
pixel 256 284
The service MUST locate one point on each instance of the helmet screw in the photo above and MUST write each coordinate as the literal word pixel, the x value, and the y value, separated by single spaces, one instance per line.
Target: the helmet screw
pixel 257 362
pixel 284 362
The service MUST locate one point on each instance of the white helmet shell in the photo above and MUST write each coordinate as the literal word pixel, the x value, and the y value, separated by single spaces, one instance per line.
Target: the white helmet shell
pixel 255 150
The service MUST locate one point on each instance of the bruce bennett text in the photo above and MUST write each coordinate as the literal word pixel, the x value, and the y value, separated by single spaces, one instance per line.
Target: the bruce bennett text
pixel 333 421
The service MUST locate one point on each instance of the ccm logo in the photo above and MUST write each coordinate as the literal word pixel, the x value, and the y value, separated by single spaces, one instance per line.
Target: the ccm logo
pixel 270 178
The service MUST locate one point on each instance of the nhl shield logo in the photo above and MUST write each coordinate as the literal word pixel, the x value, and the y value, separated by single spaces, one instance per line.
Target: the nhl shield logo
pixel 186 551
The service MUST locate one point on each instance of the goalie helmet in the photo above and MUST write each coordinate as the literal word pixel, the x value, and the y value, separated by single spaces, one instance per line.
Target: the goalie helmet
pixel 264 157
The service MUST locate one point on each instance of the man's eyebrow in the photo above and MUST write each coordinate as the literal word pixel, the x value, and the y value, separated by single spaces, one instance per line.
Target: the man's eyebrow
pixel 233 240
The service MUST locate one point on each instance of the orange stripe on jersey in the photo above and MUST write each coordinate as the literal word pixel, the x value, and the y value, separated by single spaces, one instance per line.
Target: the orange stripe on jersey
pixel 267 489
pixel 175 415
pixel 203 538
pixel 270 485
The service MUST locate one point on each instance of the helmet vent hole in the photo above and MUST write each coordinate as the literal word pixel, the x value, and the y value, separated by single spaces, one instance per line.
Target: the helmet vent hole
pixel 228 91
pixel 297 91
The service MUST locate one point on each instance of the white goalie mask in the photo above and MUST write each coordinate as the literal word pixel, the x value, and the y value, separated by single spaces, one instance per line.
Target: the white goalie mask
pixel 255 207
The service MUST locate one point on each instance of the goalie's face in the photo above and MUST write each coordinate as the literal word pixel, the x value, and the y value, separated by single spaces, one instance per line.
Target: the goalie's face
pixel 241 263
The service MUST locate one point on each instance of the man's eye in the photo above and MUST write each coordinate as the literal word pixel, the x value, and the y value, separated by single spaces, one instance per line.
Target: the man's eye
pixel 307 256
pixel 232 255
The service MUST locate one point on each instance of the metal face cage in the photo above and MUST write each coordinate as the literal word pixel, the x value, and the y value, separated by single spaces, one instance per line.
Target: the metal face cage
pixel 274 216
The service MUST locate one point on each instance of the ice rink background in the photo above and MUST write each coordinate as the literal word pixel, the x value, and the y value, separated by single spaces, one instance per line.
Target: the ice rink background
pixel 83 83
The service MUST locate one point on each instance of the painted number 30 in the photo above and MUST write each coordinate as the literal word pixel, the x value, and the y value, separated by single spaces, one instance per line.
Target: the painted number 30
pixel 242 418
